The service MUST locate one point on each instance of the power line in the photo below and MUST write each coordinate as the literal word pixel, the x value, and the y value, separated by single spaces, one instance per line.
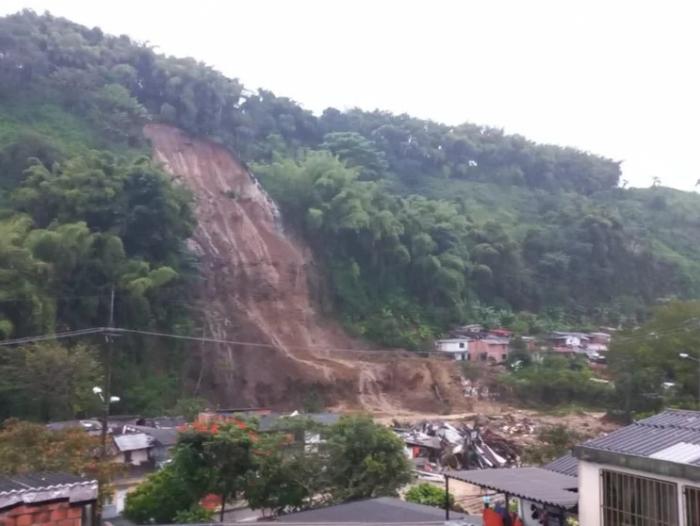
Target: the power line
pixel 54 336
pixel 115 331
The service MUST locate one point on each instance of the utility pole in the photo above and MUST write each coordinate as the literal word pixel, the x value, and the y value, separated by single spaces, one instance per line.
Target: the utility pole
pixel 447 497
pixel 108 375
pixel 695 359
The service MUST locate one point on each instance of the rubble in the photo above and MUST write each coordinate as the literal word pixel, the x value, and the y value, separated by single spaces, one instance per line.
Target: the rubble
pixel 436 445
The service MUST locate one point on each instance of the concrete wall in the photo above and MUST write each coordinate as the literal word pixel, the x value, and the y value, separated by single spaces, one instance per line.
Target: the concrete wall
pixel 452 345
pixel 138 457
pixel 492 351
pixel 50 514
pixel 590 498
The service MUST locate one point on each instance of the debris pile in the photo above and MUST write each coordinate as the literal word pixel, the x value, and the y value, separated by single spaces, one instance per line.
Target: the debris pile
pixel 434 446
pixel 511 425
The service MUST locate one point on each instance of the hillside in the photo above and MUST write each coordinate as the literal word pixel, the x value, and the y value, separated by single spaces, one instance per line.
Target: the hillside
pixel 395 227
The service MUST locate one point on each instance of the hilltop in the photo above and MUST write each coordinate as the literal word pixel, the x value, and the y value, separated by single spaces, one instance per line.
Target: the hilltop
pixel 403 226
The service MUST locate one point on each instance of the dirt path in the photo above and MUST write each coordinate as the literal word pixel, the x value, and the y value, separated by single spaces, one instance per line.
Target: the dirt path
pixel 255 288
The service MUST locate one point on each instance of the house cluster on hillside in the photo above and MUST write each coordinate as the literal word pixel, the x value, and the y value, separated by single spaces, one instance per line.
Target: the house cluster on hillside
pixel 474 343
pixel 594 344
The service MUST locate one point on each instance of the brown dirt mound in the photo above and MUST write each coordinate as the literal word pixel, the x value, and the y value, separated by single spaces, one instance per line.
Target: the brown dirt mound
pixel 255 288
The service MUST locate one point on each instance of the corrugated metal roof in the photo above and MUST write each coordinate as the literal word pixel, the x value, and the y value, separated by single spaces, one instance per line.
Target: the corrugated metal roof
pixel 566 465
pixel 34 481
pixel 682 452
pixel 680 418
pixel 35 488
pixel 133 441
pixel 655 435
pixel 163 436
pixel 535 484
pixel 380 510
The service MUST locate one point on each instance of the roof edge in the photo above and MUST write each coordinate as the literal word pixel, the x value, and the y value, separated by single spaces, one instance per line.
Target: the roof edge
pixel 654 466
pixel 521 495
pixel 83 491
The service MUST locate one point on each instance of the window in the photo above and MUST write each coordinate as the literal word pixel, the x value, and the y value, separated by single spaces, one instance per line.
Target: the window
pixel 461 345
pixel 629 500
pixel 127 457
pixel 692 506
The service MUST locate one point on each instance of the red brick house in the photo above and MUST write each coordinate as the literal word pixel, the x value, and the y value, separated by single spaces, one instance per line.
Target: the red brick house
pixel 55 499
pixel 490 349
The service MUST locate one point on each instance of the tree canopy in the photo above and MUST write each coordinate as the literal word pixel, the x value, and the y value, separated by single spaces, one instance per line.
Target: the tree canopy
pixel 417 225
pixel 356 459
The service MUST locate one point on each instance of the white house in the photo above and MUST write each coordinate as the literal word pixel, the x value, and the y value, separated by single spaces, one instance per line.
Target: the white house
pixel 133 448
pixel 457 347
pixel 645 473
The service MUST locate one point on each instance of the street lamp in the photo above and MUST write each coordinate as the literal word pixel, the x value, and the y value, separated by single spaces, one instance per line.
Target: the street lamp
pixel 686 356
pixel 105 415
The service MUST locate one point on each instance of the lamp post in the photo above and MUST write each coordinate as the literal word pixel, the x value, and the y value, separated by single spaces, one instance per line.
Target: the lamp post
pixel 686 356
pixel 105 415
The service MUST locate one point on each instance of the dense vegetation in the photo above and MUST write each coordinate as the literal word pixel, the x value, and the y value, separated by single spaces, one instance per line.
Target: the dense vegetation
pixel 417 224
pixel 358 459
pixel 652 366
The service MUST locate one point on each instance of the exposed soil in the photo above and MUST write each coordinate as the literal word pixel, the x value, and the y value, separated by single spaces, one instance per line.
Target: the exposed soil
pixel 255 288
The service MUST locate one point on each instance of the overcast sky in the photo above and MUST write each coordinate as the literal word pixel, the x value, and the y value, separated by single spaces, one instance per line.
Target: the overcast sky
pixel 617 78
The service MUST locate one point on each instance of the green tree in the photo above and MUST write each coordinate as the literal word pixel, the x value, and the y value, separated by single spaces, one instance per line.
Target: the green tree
pixel 27 447
pixel 162 497
pixel 217 462
pixel 356 151
pixel 642 360
pixel 51 381
pixel 429 495
pixel 288 476
pixel 365 460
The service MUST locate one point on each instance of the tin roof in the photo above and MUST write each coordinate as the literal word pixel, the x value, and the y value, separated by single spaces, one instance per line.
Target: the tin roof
pixel 380 510
pixel 535 484
pixel 42 487
pixel 133 441
pixel 166 436
pixel 659 437
pixel 36 481
pixel 566 465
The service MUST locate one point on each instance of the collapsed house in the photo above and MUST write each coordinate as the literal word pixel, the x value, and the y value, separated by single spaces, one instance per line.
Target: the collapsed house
pixel 436 446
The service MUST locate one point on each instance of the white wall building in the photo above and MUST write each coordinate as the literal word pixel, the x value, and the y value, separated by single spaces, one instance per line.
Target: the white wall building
pixel 647 473
pixel 133 448
pixel 457 347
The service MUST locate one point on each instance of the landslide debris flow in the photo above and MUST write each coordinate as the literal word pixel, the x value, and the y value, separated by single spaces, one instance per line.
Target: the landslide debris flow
pixel 254 287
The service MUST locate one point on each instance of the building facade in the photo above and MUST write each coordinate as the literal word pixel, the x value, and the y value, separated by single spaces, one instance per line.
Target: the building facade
pixel 458 348
pixel 647 473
